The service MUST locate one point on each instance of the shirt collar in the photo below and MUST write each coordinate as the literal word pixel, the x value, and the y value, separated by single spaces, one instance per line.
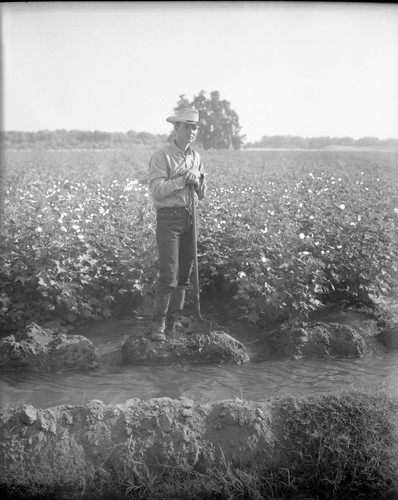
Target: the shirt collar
pixel 177 151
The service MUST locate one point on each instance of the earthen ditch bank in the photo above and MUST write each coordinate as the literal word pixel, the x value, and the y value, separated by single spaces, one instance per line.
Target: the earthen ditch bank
pixel 65 446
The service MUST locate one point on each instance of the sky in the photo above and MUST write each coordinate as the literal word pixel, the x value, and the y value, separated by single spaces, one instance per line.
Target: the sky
pixel 287 68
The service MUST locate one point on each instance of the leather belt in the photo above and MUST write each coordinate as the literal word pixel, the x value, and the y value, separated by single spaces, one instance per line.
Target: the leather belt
pixel 174 210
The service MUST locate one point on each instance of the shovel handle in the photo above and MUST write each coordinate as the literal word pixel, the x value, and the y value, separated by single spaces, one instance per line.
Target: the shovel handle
pixel 195 253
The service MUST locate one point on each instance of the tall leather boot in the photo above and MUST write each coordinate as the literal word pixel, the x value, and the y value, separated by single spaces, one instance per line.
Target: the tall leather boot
pixel 160 309
pixel 174 319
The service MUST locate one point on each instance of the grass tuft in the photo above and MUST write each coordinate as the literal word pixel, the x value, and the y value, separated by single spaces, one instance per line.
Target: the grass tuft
pixel 342 445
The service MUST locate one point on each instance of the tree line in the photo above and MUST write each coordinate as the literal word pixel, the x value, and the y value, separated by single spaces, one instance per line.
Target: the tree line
pixel 72 139
pixel 220 129
pixel 293 142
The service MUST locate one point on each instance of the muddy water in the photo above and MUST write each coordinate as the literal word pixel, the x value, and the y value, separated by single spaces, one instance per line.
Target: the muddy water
pixel 264 376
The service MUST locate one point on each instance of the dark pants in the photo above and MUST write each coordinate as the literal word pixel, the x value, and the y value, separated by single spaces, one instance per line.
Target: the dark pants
pixel 174 236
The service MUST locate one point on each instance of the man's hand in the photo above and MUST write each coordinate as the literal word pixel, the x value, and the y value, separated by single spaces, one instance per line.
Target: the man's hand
pixel 192 178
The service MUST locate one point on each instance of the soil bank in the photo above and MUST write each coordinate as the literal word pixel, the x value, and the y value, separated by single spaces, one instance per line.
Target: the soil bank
pixel 66 446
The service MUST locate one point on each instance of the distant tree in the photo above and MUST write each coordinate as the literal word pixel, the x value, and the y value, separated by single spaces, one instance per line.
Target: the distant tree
pixel 29 137
pixel 220 128
pixel 118 137
pixel 144 137
pixel 273 141
pixel 43 135
pixel 99 136
pixel 318 142
pixel 343 141
pixel 367 141
pixel 298 142
pixel 390 142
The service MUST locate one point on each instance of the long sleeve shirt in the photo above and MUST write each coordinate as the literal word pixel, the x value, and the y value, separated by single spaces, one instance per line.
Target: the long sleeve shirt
pixel 167 176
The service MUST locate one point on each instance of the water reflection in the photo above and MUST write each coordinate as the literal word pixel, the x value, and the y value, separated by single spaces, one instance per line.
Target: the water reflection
pixel 263 377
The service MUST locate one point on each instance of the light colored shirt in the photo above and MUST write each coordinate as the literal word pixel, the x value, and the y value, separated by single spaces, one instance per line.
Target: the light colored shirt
pixel 167 176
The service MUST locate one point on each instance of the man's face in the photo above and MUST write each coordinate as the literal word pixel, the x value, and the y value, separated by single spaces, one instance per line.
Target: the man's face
pixel 185 133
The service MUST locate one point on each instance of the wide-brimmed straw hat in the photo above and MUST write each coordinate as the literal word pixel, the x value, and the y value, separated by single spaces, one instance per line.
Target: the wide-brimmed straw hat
pixel 185 115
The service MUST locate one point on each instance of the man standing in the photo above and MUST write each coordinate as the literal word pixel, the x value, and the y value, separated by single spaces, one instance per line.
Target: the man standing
pixel 172 170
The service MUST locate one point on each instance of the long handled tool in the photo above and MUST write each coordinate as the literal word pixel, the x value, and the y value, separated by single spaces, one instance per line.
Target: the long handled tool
pixel 198 324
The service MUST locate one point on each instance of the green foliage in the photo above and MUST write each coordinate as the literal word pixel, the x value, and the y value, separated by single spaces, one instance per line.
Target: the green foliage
pixel 281 232
pixel 220 128
pixel 70 241
pixel 341 445
pixel 285 232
